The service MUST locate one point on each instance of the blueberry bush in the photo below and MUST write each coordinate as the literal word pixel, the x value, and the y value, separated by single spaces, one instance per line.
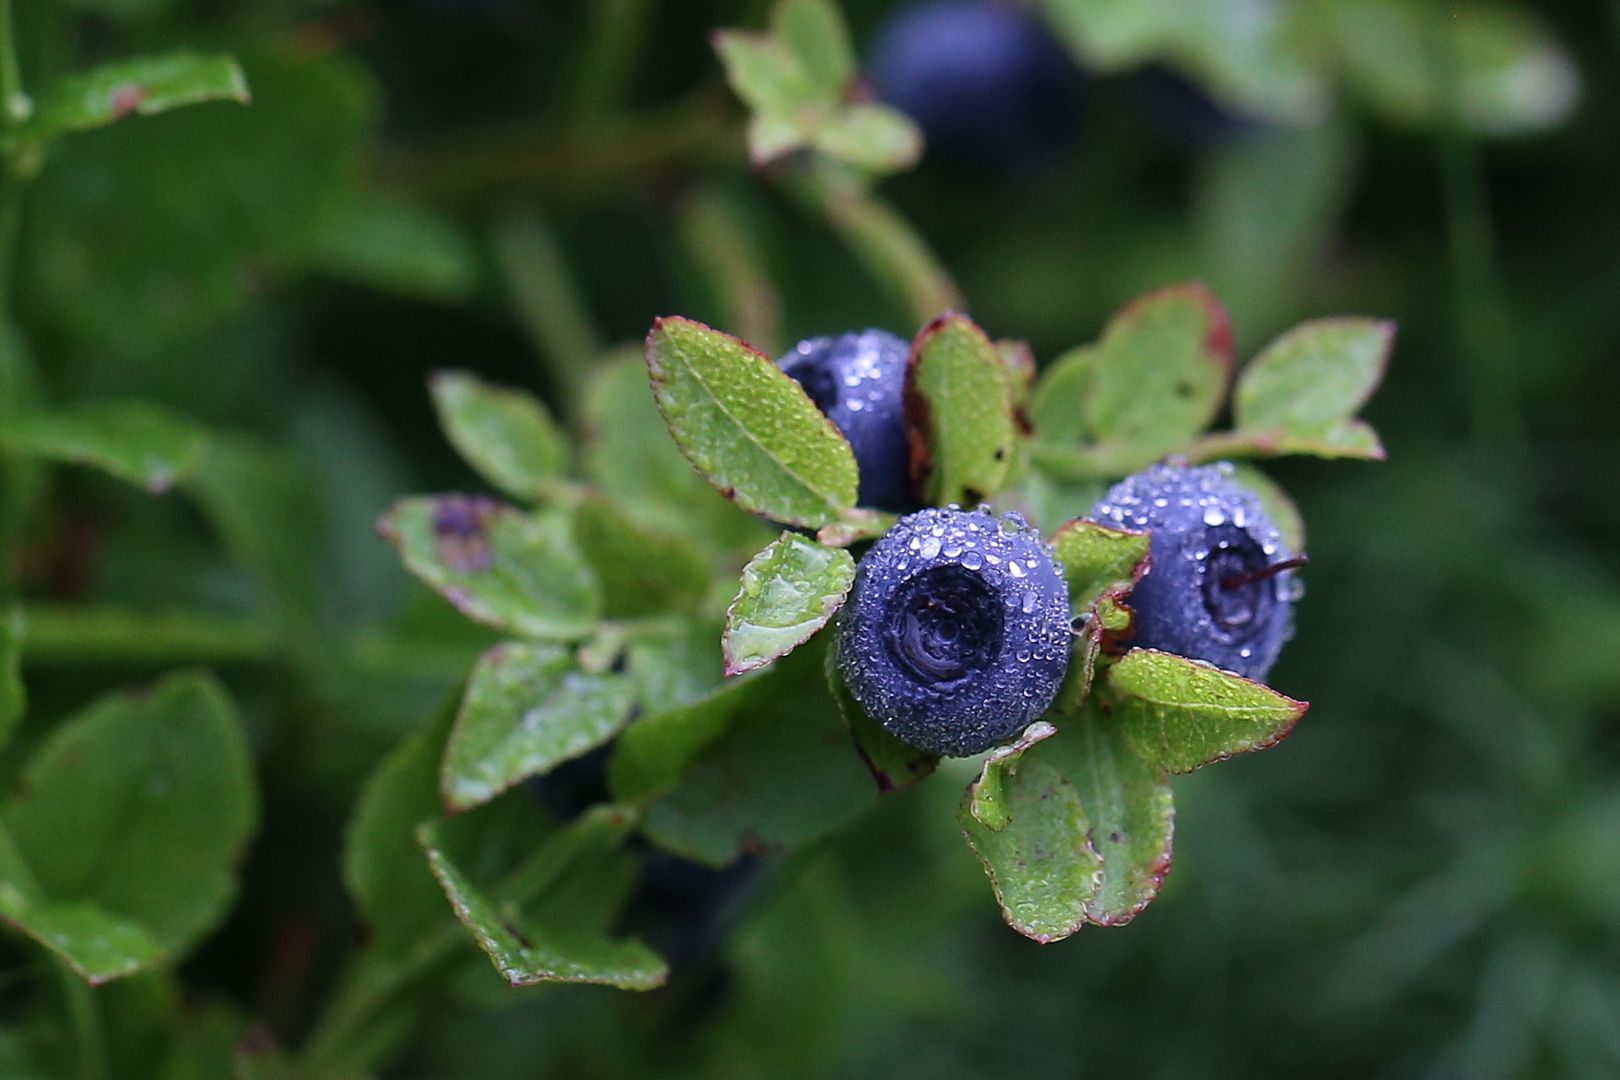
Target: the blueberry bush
pixel 617 539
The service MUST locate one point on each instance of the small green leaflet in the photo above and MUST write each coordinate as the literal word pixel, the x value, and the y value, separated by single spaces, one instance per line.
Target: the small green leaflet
pixel 134 441
pixel 789 591
pixel 959 412
pixel 505 434
pixel 1302 392
pixel 147 85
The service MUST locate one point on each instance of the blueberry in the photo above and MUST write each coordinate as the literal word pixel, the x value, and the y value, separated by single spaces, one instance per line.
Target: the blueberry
pixel 1215 591
pixel 983 80
pixel 956 634
pixel 1185 112
pixel 855 379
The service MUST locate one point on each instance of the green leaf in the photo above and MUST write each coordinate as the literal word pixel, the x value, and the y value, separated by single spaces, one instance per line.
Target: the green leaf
pixel 389 243
pixel 778 775
pixel 1098 560
pixel 99 947
pixel 1025 821
pixel 526 954
pixel 789 591
pixel 749 429
pixel 959 415
pixel 656 751
pixel 518 572
pixel 142 807
pixel 1180 714
pixel 1305 388
pixel 642 572
pixel 13 695
pixel 1506 74
pixel 148 85
pixel 894 765
pixel 871 137
pixel 506 435
pixel 1019 361
pixel 630 456
pixel 813 33
pixel 1154 380
pixel 1130 813
pixel 528 708
pixel 382 864
pixel 134 441
pixel 1100 564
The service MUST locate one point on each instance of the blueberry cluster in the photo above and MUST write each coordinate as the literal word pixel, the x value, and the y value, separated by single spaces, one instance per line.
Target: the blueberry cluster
pixel 1220 587
pixel 957 631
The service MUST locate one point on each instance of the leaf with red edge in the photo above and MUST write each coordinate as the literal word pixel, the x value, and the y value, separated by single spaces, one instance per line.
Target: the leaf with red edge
pixel 1181 714
pixel 1153 381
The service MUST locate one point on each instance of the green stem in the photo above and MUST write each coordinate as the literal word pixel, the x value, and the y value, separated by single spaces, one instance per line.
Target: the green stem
pixel 85 1021
pixel 79 634
pixel 883 240
pixel 606 64
pixel 722 247
pixel 16 164
pixel 564 336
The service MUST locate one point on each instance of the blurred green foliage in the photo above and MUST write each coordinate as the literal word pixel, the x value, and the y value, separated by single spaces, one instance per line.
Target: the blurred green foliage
pixel 1424 880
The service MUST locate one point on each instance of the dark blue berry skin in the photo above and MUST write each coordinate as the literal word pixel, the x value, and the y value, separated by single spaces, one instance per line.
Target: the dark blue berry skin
pixel 983 80
pixel 856 379
pixel 1208 532
pixel 957 632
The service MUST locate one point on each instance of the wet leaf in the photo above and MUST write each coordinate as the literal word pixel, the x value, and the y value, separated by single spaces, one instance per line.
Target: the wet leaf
pixel 894 765
pixel 1180 714
pixel 1100 564
pixel 1130 812
pixel 1303 390
pixel 505 434
pixel 1098 559
pixel 515 571
pixel 147 85
pixel 789 591
pixel 141 807
pixel 1155 379
pixel 134 441
pixel 1025 821
pixel 959 413
pixel 526 954
pixel 99 947
pixel 527 709
pixel 748 428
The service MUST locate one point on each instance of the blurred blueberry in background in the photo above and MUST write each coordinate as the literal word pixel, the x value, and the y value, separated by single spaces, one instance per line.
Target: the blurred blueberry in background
pixel 985 81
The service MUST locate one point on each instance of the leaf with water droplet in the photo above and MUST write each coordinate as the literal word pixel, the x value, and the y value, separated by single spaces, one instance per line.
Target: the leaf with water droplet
pixel 1180 714
pixel 519 572
pixel 1025 821
pixel 505 434
pixel 748 428
pixel 1129 809
pixel 140 808
pixel 132 440
pixel 1301 394
pixel 789 591
pixel 1101 565
pixel 1155 379
pixel 959 413
pixel 527 953
pixel 527 709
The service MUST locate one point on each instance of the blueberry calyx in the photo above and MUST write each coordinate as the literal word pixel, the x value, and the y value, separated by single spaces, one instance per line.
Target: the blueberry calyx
pixel 944 627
